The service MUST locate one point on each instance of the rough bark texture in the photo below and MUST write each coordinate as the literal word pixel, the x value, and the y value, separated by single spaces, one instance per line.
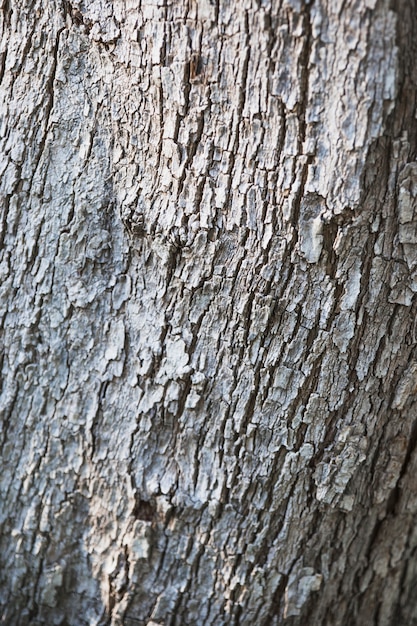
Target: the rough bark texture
pixel 208 279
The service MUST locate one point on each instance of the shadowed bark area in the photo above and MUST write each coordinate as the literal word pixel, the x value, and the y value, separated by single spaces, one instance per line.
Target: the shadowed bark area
pixel 208 315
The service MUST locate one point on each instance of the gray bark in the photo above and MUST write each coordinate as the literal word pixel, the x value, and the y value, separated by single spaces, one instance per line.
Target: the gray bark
pixel 208 303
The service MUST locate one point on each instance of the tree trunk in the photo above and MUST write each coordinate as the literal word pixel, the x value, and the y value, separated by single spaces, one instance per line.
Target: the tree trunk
pixel 208 305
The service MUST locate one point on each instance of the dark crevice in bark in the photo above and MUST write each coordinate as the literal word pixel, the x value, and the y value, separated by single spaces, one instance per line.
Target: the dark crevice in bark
pixel 76 16
pixel 5 208
pixel 34 256
pixel 8 414
pixel 304 60
pixel 3 57
pixel 48 105
pixel 403 116
pixel 144 509
pixel 397 493
pixel 27 46
pixel 97 417
pixel 13 231
pixel 191 151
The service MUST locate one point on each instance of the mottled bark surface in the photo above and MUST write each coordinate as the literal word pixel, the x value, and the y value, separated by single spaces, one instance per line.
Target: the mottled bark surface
pixel 208 337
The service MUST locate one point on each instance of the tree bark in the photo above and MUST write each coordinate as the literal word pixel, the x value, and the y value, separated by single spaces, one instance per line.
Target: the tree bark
pixel 208 312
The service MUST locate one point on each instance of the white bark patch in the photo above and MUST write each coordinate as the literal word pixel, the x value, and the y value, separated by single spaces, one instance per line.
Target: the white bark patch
pixel 301 583
pixel 407 214
pixel 407 388
pixel 51 582
pixel 352 287
pixel 121 291
pixel 139 540
pixel 175 363
pixel 116 339
pixel 311 239
pixel 333 475
pixel 312 209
